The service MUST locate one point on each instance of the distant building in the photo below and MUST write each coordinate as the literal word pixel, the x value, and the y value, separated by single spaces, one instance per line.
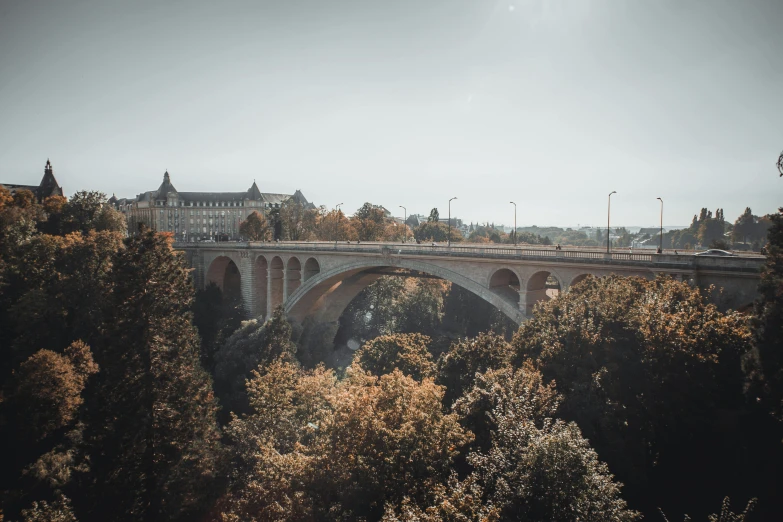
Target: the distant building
pixel 413 221
pixel 47 187
pixel 198 216
pixel 455 222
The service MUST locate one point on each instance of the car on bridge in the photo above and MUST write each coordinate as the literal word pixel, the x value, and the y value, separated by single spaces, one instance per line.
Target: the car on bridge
pixel 715 252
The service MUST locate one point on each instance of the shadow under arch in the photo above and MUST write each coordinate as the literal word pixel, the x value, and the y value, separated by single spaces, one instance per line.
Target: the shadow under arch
pixel 541 286
pixel 505 283
pixel 225 274
pixel 325 295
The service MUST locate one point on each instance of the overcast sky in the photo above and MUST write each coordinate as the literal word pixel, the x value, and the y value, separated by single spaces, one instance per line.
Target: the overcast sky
pixel 550 103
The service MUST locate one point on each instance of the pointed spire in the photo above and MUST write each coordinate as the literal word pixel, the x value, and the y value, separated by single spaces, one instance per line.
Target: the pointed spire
pixel 166 187
pixel 253 193
pixel 49 185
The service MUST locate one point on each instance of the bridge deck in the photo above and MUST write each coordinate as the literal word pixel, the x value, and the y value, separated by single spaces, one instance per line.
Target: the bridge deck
pixel 737 263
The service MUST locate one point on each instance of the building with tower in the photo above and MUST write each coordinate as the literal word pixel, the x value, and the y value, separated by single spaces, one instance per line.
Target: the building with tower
pixel 199 216
pixel 47 187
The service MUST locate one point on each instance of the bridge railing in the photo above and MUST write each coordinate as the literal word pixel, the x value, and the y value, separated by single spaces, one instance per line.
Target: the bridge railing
pixel 743 262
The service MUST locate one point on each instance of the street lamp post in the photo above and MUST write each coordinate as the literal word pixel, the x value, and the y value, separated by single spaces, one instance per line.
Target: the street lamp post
pixel 660 248
pixel 336 222
pixel 449 237
pixel 515 222
pixel 608 213
pixel 405 224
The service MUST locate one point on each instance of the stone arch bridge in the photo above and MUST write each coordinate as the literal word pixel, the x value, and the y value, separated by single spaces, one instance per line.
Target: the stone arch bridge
pixel 319 279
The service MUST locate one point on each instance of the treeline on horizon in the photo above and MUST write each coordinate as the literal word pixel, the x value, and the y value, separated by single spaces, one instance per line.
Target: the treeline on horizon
pixel 293 222
pixel 128 396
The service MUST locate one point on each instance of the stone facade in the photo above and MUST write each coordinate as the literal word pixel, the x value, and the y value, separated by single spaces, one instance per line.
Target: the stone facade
pixel 47 187
pixel 199 216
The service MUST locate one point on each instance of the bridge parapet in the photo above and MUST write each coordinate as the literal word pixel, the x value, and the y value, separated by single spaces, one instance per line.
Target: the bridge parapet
pixel 287 272
pixel 748 262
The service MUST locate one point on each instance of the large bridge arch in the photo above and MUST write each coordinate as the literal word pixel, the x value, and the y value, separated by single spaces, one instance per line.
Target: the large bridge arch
pixel 326 294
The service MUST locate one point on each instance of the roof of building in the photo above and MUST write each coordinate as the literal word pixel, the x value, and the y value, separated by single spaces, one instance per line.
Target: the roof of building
pixel 47 187
pixel 252 194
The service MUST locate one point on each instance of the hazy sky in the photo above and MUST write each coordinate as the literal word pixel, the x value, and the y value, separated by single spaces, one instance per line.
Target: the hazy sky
pixel 550 103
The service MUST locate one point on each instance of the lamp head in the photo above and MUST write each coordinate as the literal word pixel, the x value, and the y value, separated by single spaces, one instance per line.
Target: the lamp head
pixel 613 192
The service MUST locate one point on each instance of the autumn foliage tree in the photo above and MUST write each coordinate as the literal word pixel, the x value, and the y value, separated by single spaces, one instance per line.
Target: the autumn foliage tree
pixel 407 353
pixel 255 227
pixel 311 451
pixel 49 389
pixel 333 225
pixel 626 353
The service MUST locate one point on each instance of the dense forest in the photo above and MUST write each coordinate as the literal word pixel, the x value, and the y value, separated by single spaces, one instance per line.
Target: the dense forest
pixel 128 395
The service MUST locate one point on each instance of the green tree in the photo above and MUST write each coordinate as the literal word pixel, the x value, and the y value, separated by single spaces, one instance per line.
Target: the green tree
pixel 254 343
pixel 89 210
pixel 528 465
pixel 216 317
pixel 466 314
pixel 434 216
pixel 19 216
pixel 298 223
pixel 369 222
pixel 625 353
pixel 56 292
pixel 407 353
pixel 111 220
pixel 457 368
pixel 255 227
pixel 434 231
pixel 152 436
pixel 374 311
pixel 764 365
pixel 744 226
pixel 711 229
pixel 421 306
pixel 546 473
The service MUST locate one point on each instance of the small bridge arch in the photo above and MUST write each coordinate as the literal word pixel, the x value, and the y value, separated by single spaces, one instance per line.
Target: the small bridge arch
pixel 540 287
pixel 224 272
